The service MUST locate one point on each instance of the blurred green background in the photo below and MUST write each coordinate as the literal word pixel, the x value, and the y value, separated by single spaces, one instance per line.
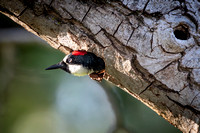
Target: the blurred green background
pixel 33 100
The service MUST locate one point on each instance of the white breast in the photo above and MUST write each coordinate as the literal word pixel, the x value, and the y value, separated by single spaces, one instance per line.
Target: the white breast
pixel 79 70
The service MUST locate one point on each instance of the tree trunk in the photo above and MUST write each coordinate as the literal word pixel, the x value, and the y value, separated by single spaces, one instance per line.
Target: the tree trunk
pixel 150 48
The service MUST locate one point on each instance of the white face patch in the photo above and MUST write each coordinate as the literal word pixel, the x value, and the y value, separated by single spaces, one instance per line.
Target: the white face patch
pixel 65 58
pixel 78 70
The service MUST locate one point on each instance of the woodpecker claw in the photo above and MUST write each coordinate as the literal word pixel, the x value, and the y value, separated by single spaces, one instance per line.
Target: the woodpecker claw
pixel 97 76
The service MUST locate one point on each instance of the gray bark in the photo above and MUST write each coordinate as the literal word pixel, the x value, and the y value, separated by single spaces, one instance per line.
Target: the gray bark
pixel 151 48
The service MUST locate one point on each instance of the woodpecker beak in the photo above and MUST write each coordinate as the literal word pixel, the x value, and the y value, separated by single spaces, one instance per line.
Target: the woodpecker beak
pixel 60 65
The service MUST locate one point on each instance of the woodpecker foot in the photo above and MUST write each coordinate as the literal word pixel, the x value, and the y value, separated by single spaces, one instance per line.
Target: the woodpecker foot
pixel 97 76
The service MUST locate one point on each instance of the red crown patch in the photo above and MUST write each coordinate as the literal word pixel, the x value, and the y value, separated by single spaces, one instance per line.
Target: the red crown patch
pixel 79 52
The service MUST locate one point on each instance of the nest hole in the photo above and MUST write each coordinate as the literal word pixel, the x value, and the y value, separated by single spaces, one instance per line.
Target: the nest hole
pixel 181 32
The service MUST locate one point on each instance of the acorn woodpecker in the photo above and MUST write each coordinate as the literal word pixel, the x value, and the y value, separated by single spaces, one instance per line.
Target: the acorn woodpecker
pixel 81 63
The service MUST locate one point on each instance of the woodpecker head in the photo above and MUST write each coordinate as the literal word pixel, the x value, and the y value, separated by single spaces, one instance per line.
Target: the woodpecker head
pixel 81 63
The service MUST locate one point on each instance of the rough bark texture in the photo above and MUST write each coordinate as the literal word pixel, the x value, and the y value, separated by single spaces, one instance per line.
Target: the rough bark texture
pixel 151 48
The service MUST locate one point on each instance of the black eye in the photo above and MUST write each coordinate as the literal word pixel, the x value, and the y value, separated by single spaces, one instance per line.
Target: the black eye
pixel 69 60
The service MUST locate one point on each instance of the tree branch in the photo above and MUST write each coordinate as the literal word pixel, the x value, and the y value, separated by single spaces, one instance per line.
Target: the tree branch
pixel 143 46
